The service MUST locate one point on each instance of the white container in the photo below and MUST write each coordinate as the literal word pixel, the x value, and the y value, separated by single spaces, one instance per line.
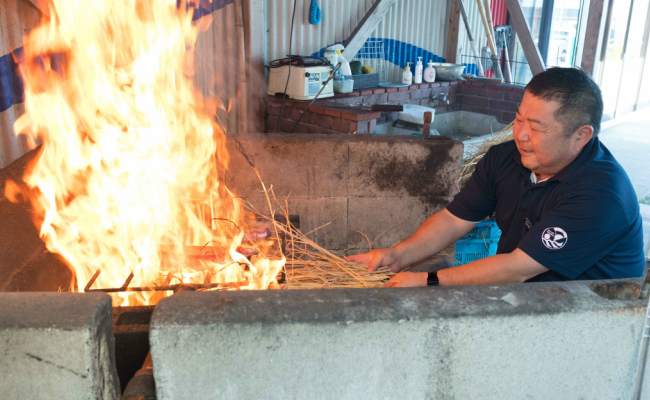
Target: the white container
pixel 418 71
pixel 343 86
pixel 430 72
pixel 407 76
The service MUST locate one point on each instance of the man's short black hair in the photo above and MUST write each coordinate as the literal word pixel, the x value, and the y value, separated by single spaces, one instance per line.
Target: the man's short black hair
pixel 581 102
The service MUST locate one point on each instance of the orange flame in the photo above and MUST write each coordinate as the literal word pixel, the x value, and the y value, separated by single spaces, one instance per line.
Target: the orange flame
pixel 127 180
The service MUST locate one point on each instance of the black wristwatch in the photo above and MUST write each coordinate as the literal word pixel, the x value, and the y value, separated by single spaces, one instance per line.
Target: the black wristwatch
pixel 432 279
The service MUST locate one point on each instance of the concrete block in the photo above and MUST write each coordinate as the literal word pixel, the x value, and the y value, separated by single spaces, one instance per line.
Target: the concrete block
pixel 387 221
pixel 315 212
pixel 57 346
pixel 303 165
pixel 533 341
pixel 406 167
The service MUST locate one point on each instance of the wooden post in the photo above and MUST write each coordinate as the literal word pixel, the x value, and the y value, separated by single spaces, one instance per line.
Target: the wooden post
pixel 486 28
pixel 522 29
pixel 488 17
pixel 242 92
pixel 592 35
pixel 367 25
pixel 452 32
pixel 254 39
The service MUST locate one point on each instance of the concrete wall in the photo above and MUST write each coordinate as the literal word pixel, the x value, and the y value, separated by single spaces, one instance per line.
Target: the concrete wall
pixel 357 182
pixel 57 346
pixel 533 341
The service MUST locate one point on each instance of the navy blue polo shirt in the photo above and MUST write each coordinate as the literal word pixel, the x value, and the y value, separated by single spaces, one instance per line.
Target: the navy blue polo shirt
pixel 582 223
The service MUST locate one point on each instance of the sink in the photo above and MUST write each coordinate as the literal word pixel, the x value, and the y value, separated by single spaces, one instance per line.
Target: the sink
pixel 415 114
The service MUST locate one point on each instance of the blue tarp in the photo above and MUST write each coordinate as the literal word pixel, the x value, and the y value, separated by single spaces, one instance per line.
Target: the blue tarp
pixel 397 52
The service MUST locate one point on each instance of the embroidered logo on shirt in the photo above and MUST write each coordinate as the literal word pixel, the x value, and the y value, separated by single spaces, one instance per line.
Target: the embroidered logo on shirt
pixel 554 238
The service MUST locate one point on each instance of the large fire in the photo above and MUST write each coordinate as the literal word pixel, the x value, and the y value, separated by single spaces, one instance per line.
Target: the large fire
pixel 127 177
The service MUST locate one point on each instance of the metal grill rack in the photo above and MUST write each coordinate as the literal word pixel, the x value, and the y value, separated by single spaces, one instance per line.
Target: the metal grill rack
pixel 165 286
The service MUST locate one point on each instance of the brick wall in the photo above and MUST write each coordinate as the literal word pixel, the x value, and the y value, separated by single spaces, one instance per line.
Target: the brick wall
pixel 498 100
pixel 324 116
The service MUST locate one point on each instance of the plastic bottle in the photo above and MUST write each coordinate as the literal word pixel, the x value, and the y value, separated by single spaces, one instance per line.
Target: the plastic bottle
pixel 418 71
pixel 430 72
pixel 345 65
pixel 407 76
pixel 331 56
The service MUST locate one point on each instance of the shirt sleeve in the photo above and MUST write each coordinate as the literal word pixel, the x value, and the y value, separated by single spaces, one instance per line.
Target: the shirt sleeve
pixel 579 231
pixel 477 199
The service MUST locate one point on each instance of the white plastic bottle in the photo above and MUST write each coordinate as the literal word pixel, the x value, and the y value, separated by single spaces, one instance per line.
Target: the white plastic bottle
pixel 430 72
pixel 407 76
pixel 345 66
pixel 418 71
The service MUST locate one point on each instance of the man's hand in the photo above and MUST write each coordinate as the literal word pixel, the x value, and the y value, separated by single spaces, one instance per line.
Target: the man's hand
pixel 390 258
pixel 408 279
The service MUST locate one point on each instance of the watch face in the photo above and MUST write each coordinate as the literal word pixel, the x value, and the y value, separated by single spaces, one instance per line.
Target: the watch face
pixel 432 279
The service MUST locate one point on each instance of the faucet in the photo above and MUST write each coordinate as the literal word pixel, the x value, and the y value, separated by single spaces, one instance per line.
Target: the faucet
pixel 440 98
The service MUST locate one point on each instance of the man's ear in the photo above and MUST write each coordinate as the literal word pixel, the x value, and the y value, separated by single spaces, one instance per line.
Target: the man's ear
pixel 583 135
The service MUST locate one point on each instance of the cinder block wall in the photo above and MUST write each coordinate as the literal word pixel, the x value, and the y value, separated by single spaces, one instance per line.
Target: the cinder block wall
pixel 565 340
pixel 358 183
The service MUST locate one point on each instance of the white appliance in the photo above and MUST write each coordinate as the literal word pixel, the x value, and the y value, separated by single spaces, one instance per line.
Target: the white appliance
pixel 304 82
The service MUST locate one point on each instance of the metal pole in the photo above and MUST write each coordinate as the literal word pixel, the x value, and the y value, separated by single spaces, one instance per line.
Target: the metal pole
pixel 643 347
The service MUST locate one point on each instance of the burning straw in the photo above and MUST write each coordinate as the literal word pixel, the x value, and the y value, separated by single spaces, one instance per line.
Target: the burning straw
pixel 475 152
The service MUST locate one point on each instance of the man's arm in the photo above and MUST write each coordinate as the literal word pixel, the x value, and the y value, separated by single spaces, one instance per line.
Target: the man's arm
pixel 513 267
pixel 434 235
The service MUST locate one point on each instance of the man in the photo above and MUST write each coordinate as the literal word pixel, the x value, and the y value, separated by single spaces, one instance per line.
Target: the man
pixel 566 208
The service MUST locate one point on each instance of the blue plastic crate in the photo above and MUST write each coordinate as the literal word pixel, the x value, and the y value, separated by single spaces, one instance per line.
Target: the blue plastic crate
pixel 481 242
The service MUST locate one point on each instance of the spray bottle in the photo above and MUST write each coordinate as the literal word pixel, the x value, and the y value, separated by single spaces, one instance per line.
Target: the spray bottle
pixel 331 56
pixel 345 65
pixel 407 76
pixel 418 71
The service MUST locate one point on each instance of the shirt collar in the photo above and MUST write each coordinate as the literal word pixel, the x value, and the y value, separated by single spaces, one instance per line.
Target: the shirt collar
pixel 583 157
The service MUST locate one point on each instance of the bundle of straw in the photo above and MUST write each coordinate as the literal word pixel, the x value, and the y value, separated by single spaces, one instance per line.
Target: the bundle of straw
pixel 309 266
pixel 475 152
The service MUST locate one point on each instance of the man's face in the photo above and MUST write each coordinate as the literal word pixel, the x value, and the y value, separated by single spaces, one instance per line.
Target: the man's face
pixel 540 139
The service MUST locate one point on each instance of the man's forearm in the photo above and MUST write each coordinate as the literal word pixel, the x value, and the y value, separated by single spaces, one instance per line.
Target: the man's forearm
pixel 513 267
pixel 434 235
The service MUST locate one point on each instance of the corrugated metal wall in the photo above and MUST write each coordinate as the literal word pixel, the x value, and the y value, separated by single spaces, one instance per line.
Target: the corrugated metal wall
pixel 215 61
pixel 215 58
pixel 17 18
pixel 417 23
pixel 499 13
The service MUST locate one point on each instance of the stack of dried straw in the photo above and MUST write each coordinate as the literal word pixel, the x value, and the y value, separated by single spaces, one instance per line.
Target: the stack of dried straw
pixel 309 266
pixel 474 152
